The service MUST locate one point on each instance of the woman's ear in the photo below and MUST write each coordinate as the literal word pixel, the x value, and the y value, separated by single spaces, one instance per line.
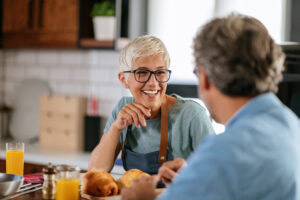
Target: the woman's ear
pixel 122 79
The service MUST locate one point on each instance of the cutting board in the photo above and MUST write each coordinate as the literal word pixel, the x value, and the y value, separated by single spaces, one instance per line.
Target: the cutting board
pixel 24 124
pixel 116 197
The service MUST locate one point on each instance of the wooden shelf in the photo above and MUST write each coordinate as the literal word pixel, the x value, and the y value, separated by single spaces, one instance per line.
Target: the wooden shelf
pixel 92 43
pixel 39 24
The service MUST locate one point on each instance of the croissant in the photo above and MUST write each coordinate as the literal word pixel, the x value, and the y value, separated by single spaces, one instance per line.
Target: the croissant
pixel 99 183
pixel 128 177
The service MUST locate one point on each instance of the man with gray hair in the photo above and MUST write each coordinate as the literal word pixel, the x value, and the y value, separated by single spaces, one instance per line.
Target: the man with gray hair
pixel 239 67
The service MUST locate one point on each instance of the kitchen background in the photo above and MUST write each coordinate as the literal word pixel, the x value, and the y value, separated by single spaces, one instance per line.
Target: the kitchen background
pixel 84 71
pixel 68 72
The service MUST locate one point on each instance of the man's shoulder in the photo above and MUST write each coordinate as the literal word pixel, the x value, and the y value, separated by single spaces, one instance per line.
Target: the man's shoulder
pixel 254 140
pixel 218 145
pixel 278 120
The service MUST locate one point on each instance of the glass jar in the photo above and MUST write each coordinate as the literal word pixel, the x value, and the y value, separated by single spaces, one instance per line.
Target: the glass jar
pixel 49 185
pixel 67 182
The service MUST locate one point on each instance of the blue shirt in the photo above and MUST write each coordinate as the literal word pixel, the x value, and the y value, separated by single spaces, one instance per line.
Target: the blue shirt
pixel 256 158
pixel 188 124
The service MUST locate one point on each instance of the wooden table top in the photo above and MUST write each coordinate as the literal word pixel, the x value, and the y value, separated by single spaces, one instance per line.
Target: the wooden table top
pixel 36 195
pixel 32 195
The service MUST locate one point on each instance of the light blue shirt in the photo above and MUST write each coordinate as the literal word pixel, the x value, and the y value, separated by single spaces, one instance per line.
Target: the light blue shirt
pixel 256 158
pixel 188 124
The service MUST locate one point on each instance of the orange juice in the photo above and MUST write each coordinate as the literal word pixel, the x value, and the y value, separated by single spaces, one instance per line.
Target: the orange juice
pixel 15 162
pixel 67 189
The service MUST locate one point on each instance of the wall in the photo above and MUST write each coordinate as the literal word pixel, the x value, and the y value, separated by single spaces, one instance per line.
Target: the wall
pixel 294 21
pixel 1 77
pixel 68 72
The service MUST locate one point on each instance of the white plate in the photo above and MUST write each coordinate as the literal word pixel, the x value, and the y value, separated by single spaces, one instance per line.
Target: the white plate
pixel 26 102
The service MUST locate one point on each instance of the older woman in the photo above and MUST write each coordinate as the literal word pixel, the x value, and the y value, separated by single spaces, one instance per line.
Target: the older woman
pixel 150 127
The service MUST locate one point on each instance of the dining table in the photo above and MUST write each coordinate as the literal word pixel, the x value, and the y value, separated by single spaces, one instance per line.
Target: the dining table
pixel 34 191
pixel 32 196
pixel 35 195
pixel 38 195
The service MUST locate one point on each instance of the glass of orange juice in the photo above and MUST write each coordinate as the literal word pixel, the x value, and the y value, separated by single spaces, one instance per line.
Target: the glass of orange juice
pixel 15 158
pixel 67 182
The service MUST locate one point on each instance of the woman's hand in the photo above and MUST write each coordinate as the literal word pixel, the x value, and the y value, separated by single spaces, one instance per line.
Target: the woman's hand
pixel 169 170
pixel 132 113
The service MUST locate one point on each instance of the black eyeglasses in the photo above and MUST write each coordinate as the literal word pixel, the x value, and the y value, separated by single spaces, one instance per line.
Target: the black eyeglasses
pixel 144 75
pixel 196 72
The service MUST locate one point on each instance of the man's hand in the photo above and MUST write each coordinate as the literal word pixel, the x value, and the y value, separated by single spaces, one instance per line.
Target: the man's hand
pixel 140 189
pixel 169 170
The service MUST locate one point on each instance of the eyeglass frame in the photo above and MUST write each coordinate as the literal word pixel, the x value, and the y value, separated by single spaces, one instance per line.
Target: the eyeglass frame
pixel 196 71
pixel 151 72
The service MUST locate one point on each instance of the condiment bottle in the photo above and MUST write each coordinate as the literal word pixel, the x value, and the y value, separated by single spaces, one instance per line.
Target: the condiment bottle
pixel 49 186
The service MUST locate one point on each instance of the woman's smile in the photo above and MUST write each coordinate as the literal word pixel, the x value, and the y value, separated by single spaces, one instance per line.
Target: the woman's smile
pixel 151 93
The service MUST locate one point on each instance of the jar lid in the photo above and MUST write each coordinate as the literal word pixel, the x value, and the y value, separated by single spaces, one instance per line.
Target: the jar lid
pixel 67 168
pixel 50 169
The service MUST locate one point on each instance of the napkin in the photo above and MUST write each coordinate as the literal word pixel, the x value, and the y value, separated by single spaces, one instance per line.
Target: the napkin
pixel 33 178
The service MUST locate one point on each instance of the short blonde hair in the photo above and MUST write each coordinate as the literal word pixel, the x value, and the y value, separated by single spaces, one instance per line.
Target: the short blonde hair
pixel 142 46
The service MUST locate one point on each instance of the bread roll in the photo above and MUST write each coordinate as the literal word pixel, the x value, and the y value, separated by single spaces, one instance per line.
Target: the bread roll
pixel 99 183
pixel 129 176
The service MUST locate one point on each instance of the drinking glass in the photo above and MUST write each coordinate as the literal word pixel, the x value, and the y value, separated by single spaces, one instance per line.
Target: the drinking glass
pixel 15 158
pixel 67 182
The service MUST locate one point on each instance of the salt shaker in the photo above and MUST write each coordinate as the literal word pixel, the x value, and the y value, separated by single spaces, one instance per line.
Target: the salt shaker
pixel 49 186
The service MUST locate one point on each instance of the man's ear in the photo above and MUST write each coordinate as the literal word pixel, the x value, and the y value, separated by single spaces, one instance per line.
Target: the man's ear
pixel 122 79
pixel 204 82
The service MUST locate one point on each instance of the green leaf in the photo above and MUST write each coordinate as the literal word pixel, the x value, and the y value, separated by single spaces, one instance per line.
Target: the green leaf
pixel 104 8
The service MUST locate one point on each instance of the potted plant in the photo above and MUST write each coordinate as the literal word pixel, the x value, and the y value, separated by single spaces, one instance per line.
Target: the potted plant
pixel 104 20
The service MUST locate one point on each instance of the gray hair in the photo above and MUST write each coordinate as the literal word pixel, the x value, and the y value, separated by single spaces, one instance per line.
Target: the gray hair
pixel 142 46
pixel 239 56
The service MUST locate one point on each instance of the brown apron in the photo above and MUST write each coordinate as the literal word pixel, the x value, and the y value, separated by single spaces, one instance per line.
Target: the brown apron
pixel 150 162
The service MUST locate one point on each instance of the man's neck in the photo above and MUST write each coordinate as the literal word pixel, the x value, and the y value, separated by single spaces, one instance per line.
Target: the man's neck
pixel 227 106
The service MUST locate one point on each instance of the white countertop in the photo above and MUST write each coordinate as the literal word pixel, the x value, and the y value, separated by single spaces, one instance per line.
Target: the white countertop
pixel 36 155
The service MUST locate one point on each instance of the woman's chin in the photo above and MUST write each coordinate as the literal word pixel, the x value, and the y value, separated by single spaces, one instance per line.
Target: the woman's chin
pixel 152 102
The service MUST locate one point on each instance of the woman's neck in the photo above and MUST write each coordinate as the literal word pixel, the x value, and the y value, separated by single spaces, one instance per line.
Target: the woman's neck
pixel 155 113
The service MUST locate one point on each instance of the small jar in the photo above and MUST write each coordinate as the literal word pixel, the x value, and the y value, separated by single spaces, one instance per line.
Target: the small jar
pixel 67 182
pixel 49 186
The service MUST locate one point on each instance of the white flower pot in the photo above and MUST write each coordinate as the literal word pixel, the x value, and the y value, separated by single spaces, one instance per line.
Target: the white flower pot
pixel 104 28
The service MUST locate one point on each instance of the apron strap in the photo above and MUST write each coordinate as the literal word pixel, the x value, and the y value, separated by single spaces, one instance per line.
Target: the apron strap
pixel 123 156
pixel 162 157
pixel 164 132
